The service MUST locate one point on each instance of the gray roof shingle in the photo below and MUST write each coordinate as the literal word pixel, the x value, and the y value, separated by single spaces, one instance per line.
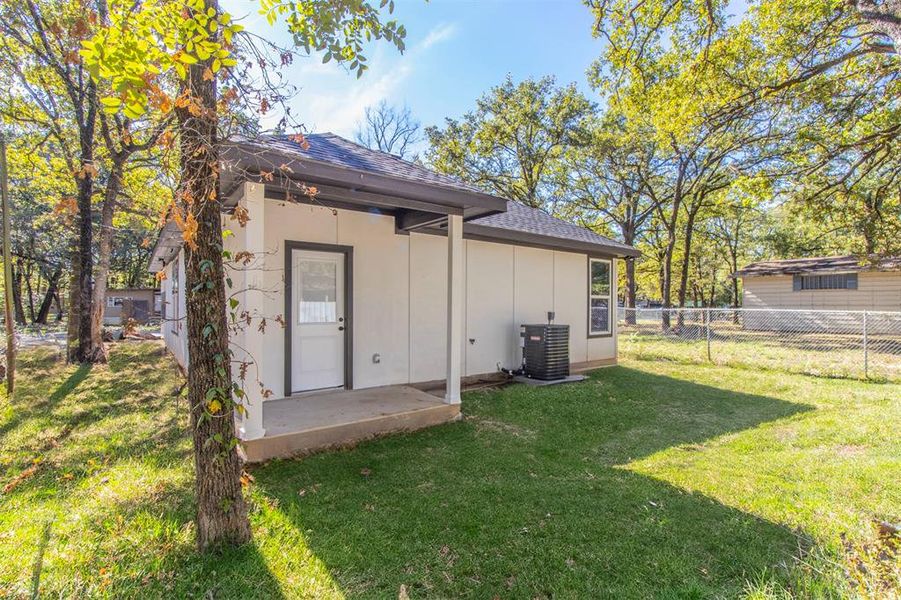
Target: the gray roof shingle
pixel 519 224
pixel 336 150
pixel 526 219
pixel 819 264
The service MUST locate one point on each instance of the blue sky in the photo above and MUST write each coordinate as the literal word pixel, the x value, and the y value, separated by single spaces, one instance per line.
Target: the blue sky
pixel 456 50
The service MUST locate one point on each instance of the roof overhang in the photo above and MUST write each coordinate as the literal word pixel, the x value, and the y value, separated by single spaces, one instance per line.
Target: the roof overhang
pixel 287 176
pixel 500 235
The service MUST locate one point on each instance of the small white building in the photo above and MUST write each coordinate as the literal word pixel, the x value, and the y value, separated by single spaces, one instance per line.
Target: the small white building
pixel 391 276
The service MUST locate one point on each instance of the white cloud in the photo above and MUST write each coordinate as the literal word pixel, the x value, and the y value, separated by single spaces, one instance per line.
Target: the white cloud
pixel 439 34
pixel 333 99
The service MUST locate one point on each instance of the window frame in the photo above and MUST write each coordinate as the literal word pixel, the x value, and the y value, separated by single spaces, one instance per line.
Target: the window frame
pixel 824 282
pixel 609 297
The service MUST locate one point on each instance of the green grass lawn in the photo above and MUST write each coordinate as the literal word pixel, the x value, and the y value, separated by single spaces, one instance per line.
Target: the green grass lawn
pixel 652 479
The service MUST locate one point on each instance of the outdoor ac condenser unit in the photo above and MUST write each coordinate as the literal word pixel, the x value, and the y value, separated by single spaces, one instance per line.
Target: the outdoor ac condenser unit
pixel 545 351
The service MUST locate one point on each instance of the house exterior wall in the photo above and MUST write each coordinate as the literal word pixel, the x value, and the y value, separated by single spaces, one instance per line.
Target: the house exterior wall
pixel 173 324
pixel 400 296
pixel 879 290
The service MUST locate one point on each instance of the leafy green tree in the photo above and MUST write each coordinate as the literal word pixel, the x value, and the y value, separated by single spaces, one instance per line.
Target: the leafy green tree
pixel 170 55
pixel 606 183
pixel 514 141
pixel 39 47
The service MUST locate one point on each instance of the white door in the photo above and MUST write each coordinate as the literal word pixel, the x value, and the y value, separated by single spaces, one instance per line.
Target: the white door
pixel 317 320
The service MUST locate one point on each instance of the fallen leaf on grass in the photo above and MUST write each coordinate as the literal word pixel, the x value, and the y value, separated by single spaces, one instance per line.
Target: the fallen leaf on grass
pixel 402 593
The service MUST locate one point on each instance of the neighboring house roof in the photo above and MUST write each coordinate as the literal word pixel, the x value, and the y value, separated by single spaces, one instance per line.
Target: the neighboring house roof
pixel 820 264
pixel 348 171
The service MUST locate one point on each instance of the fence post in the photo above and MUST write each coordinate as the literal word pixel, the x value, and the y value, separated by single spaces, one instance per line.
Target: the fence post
pixel 707 318
pixel 866 349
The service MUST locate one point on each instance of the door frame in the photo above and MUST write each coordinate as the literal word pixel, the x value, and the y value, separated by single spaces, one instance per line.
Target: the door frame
pixel 348 252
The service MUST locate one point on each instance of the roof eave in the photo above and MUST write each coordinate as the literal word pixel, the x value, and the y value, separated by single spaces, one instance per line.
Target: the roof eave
pixel 486 232
pixel 256 157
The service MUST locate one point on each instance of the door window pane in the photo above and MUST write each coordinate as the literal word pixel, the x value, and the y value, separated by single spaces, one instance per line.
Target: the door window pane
pixel 318 291
pixel 600 278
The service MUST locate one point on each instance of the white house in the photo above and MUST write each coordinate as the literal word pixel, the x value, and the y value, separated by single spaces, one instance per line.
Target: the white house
pixel 392 276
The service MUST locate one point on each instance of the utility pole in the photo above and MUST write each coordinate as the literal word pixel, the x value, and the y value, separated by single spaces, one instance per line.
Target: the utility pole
pixel 7 274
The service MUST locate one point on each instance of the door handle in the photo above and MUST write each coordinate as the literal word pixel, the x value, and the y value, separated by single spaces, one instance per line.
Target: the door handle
pixel 341 328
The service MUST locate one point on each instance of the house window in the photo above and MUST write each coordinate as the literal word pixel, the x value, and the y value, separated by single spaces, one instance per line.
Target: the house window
pixel 599 289
pixel 114 302
pixel 832 281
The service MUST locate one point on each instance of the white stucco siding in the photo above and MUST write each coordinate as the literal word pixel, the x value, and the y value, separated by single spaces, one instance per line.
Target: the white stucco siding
pixel 489 336
pixel 533 291
pixel 173 325
pixel 875 291
pixel 400 296
pixel 428 307
pixel 570 300
pixel 381 297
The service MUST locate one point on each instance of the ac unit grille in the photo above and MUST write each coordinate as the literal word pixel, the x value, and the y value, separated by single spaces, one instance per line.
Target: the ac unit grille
pixel 546 351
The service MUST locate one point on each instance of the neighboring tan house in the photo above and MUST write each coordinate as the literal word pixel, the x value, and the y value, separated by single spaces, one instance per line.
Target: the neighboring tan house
pixel 830 295
pixel 823 283
pixel 393 276
pixel 141 304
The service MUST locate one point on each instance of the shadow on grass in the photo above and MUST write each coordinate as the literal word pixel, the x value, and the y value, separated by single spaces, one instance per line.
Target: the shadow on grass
pixel 527 498
pixel 36 402
pixel 114 478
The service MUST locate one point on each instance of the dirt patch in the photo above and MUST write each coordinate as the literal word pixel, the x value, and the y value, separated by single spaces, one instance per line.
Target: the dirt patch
pixel 874 566
pixel 501 427
pixel 850 450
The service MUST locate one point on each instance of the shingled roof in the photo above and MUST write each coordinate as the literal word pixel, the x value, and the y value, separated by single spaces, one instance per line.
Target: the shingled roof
pixel 338 151
pixel 337 161
pixel 531 223
pixel 528 220
pixel 820 264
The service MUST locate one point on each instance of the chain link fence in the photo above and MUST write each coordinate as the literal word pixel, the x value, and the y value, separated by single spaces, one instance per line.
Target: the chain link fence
pixel 831 343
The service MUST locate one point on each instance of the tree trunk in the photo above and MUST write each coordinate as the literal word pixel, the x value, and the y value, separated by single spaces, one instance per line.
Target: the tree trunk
pixel 686 258
pixel 629 238
pixel 47 303
pixel 113 187
pixel 667 277
pixel 630 291
pixel 59 305
pixel 17 293
pixel 85 351
pixel 221 510
pixel 30 292
pixel 74 307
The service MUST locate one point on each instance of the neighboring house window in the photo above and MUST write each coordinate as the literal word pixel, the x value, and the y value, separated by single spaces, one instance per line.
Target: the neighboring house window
pixel 599 296
pixel 832 281
pixel 114 301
